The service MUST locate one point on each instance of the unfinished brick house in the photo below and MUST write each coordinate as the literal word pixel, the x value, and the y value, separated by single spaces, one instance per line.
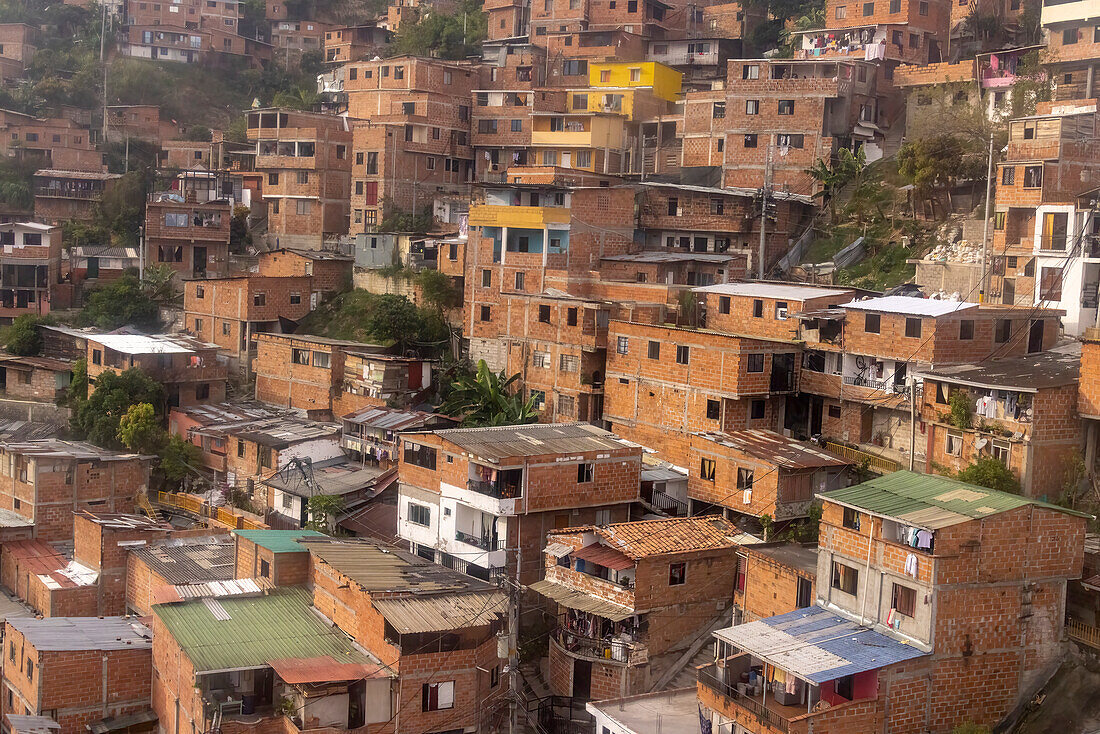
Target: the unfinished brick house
pixel 274 556
pixel 774 578
pixel 188 562
pixel 304 371
pixel 382 380
pixel 912 32
pixel 189 236
pixel 64 195
pixel 47 480
pixel 1022 412
pixel 190 370
pixel 18 42
pixel 481 499
pixel 914 538
pixel 330 271
pixel 759 472
pixel 1073 49
pixel 52 142
pixel 305 160
pixel 30 270
pixel 629 593
pixel 78 671
pixel 353 43
pixel 1044 223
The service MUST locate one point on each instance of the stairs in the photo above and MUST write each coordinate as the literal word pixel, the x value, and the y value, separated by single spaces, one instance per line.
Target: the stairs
pixel 142 502
pixel 681 674
pixel 686 677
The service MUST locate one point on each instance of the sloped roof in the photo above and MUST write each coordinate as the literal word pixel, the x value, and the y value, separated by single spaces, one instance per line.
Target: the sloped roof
pixel 442 612
pixel 910 306
pixel 191 560
pixel 776 448
pixel 929 501
pixel 665 535
pixel 574 599
pixel 84 633
pixel 496 443
pixel 280 541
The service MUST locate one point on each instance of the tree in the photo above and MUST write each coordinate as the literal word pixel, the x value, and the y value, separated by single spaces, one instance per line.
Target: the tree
pixel 121 302
pixel 323 511
pixel 989 472
pixel 122 209
pixel 299 98
pixel 842 170
pixel 483 399
pixel 97 418
pixel 77 391
pixel 438 290
pixel 159 284
pixel 444 35
pixel 239 236
pixel 139 430
pixel 178 458
pixel 23 337
pixel 962 410
pixel 938 162
pixel 393 319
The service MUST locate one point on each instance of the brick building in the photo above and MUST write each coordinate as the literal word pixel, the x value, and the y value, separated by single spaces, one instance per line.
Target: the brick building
pixel 912 32
pixel 275 556
pixel 36 379
pixel 189 236
pixel 774 578
pixel 482 499
pixel 330 271
pixel 51 142
pixel 205 426
pixel 47 480
pixel 190 370
pixel 1022 411
pixel 354 43
pixel 305 160
pixel 286 493
pixel 30 270
pixel 1073 49
pixel 759 472
pixel 304 371
pixel 18 42
pixel 628 594
pixel 64 195
pixel 382 380
pixel 914 539
pixel 78 671
pixel 372 434
pixel 181 562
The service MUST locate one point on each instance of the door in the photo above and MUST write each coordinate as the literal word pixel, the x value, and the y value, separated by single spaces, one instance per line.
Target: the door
pixel 816 409
pixel 582 679
pixel 804 597
pixel 93 267
pixel 1035 337
pixel 866 426
pixel 199 262
pixel 1008 292
pixel 566 160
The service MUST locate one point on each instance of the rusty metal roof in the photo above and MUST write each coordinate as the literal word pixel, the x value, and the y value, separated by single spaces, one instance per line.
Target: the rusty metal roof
pixel 574 599
pixel 442 612
pixel 776 448
pixel 379 568
pixel 191 560
pixel 54 448
pixel 605 556
pixel 497 443
pixel 394 419
pixel 324 669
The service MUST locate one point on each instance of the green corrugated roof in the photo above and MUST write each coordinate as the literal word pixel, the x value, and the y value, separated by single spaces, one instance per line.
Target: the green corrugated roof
pixel 259 629
pixel 279 541
pixel 931 501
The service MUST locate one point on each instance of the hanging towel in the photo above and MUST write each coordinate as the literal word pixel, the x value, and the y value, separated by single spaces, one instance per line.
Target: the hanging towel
pixel 911 565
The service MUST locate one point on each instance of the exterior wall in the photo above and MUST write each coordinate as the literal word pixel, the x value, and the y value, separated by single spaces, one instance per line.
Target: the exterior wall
pixel 771 587
pixel 223 313
pixel 182 247
pixel 44 385
pixel 281 382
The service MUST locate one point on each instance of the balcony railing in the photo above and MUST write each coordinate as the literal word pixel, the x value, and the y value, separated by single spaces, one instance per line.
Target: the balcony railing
pixel 728 691
pixel 619 651
pixel 668 503
pixel 1084 633
pixel 876 462
pixel 886 386
pixel 483 542
pixel 493 489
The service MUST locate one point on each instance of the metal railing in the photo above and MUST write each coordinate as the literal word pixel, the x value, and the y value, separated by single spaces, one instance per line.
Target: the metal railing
pixel 728 691
pixel 1084 633
pixel 493 489
pixel 886 386
pixel 662 501
pixel 879 463
pixel 479 541
pixel 618 651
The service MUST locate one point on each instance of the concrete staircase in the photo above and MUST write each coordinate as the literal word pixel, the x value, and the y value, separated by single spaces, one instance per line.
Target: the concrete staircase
pixel 681 674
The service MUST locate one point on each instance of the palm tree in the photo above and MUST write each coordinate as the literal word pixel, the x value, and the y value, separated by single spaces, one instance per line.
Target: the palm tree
pixel 845 168
pixel 483 399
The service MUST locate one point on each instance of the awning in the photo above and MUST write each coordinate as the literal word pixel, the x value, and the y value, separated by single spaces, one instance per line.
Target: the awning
pixel 32 724
pixel 119 723
pixel 606 556
pixel 817 645
pixel 557 550
pixel 442 612
pixel 324 669
pixel 583 602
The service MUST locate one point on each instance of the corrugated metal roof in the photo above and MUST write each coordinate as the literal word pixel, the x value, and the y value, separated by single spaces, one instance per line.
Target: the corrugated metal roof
pixel 776 448
pixel 1029 373
pixel 496 443
pixel 12 519
pixel 788 291
pixel 378 569
pixel 150 343
pixel 393 419
pixel 584 602
pixel 32 724
pixel 929 501
pixel 910 306
pixel 84 633
pixel 53 448
pixel 442 612
pixel 336 476
pixel 324 669
pixel 817 645
pixel 259 629
pixel 191 560
pixel 280 541
pixel 281 432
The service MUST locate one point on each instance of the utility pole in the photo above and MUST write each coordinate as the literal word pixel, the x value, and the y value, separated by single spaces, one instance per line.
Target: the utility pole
pixel 102 42
pixel 912 425
pixel 765 194
pixel 985 229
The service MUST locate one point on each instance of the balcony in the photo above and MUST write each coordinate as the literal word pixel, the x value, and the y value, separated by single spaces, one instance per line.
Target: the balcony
pixel 609 650
pixel 769 712
pixel 887 387
pixel 497 490
pixel 484 542
pixel 526 217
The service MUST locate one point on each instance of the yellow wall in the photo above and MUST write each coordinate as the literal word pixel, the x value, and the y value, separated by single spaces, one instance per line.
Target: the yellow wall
pixel 664 80
pixel 527 217
pixel 601 131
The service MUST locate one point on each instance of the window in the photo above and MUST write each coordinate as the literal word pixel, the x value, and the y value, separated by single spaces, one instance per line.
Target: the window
pixel 758 308
pixel 571 316
pixel 538 399
pixel 259 299
pixel 1033 177
pixel 912 328
pixel 922 8
pixel 272 179
pixel 299 356
pixel 227 328
pixel 240 449
pixel 303 207
pixel 485 314
pixel 1001 451
pixel 517 126
pixel 851 518
pixel 904 600
pixel 677 574
pixel 540 359
pixel 1008 176
pixel 494 676
pixel 544 314
pixel 717 206
pixel 576 67
pixel 790 140
pixel 781 310
pixel 752 107
pixel 584 159
pixel 953 444
pixel 399 72
pixel 654 350
pixel 786 106
pixel 966 330
pixel 585 473
pixel 569 363
pixel 841 12
pixel 172 219
pixel 418 455
pixel 755 362
pixel 834 411
pixel 438 696
pixel 1002 330
pixel 999 219
pixel 872 323
pixel 673 206
pixel 303 177
pixel 914 40
pixel 895 6
pixel 723 304
pixel 520 280
pixel 745 478
pixel 719 111
pixel 1069 36
pixel 750 140
pixel 750 71
pixel 486 278
pixel 868 9
pixel 622 344
pixel 446 77
pixel 681 355
pixel 30 669
pixel 714 410
pixel 845 578
pixel 635 75
pixel 757 408
pixel 1050 285
pixel 486 126
pixel 420 514
pixel 322 360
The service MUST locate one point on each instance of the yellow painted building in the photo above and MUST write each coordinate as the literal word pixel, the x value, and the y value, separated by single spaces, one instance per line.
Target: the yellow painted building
pixel 664 81
pixel 577 131
pixel 524 217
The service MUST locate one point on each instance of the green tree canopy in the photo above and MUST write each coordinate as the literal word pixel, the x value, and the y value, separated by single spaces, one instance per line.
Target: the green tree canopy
pixel 121 302
pixel 139 430
pixel 444 35
pixel 22 337
pixel 939 162
pixel 98 417
pixel 484 398
pixel 178 458
pixel 987 471
pixel 323 511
